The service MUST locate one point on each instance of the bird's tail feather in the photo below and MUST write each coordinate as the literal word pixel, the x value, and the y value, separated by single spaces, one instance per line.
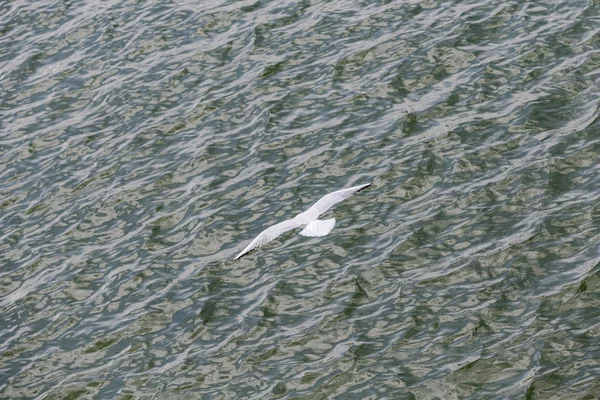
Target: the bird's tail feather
pixel 318 227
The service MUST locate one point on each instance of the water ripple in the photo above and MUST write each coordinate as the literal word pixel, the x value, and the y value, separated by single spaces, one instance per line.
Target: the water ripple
pixel 142 144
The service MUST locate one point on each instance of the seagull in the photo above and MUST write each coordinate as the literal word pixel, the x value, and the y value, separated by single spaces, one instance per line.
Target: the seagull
pixel 309 220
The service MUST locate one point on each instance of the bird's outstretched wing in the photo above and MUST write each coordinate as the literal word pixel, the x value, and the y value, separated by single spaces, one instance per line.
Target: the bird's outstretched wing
pixel 269 234
pixel 329 200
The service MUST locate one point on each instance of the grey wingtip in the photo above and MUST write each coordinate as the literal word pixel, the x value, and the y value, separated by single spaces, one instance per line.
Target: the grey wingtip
pixel 363 187
pixel 241 254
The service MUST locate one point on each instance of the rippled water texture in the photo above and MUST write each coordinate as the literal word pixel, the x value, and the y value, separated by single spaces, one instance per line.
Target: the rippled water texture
pixel 144 144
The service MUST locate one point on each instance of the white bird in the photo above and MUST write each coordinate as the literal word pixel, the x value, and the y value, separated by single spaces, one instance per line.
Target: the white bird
pixel 307 220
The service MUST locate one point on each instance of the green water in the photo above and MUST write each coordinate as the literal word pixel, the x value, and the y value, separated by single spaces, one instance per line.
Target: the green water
pixel 144 144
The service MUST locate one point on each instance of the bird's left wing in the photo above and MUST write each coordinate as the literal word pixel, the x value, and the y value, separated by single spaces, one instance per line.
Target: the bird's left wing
pixel 269 234
pixel 329 200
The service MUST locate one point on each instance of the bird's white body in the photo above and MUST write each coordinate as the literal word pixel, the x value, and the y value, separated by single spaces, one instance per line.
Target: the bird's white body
pixel 307 220
pixel 306 217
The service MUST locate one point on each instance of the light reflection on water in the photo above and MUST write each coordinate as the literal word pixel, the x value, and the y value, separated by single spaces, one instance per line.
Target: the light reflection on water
pixel 143 145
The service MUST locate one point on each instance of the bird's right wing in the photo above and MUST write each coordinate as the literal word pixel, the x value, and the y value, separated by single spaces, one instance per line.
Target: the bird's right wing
pixel 269 234
pixel 329 200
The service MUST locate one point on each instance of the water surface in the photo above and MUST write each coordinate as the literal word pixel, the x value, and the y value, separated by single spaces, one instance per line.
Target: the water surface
pixel 144 144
